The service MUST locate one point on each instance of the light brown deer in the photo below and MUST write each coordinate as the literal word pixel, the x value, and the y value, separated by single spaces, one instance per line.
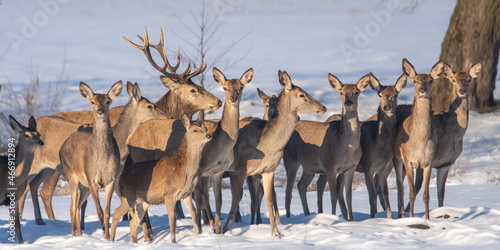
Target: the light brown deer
pixel 218 154
pixel 163 181
pixel 416 138
pixel 55 131
pixel 260 144
pixel 331 148
pixel 91 160
pixel 14 169
pixel 450 128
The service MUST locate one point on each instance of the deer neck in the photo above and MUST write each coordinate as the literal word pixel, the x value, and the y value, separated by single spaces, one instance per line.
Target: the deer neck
pixel 24 160
pixel 459 108
pixel 102 135
pixel 421 122
pixel 126 124
pixel 350 125
pixel 229 123
pixel 174 107
pixel 386 132
pixel 278 130
pixel 189 156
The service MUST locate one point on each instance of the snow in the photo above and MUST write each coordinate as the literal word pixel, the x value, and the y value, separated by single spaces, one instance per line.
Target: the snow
pixel 306 39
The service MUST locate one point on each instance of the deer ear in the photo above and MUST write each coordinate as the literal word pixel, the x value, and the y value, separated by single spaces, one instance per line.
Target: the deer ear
pixel 335 82
pixel 15 125
pixel 408 69
pixel 201 118
pixel 136 92
pixel 475 70
pixel 285 80
pixel 366 80
pixel 437 69
pixel 86 91
pixel 374 83
pixel 169 83
pixel 262 95
pixel 401 82
pixel 186 121
pixel 447 71
pixel 130 88
pixel 247 76
pixel 115 90
pixel 32 123
pixel 219 77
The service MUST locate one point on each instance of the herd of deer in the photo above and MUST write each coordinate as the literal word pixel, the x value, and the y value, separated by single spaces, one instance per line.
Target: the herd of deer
pixel 152 154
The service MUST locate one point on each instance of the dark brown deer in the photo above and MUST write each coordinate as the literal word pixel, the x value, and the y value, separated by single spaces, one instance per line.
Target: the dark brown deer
pixel 163 181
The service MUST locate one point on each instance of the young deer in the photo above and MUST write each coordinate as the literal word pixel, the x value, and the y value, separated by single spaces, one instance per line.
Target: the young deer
pixel 450 128
pixel 416 138
pixel 260 144
pixel 14 169
pixel 91 160
pixel 163 181
pixel 332 148
pixel 55 131
pixel 218 154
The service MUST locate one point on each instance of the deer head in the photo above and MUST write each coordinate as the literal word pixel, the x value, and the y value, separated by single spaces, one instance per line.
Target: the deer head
pixel 145 109
pixel 350 92
pixel 100 102
pixel 423 82
pixel 28 136
pixel 233 88
pixel 179 83
pixel 196 132
pixel 270 104
pixel 388 95
pixel 301 101
pixel 461 80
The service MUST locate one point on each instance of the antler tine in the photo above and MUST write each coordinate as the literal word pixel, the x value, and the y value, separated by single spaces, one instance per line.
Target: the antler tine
pixel 147 51
pixel 199 70
pixel 173 69
pixel 188 70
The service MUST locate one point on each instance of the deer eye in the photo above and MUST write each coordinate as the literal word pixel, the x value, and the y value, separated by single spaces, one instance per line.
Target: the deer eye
pixel 196 131
pixel 302 95
pixel 27 136
pixel 92 102
pixel 108 102
pixel 224 88
pixel 150 107
pixel 193 91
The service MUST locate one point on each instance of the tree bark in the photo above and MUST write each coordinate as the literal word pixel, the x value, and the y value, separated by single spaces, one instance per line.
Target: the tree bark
pixel 473 36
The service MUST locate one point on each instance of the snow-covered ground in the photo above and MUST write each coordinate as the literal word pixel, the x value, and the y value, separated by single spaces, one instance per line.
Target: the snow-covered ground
pixel 306 38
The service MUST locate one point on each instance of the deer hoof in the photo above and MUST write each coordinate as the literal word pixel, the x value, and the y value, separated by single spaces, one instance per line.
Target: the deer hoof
pixel 39 222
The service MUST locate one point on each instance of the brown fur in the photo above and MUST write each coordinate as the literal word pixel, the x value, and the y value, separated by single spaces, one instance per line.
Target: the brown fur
pixel 162 181
pixel 260 144
pixel 416 138
pixel 91 160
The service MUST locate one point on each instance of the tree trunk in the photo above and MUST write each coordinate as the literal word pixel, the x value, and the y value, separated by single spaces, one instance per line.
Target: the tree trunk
pixel 473 36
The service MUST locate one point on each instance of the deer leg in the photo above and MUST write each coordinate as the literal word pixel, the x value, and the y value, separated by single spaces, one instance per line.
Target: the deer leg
pixel 46 193
pixel 260 195
pixel 34 185
pixel 370 186
pixel 178 210
pixel 411 192
pixel 117 214
pixel 110 188
pixel 302 186
pixel 95 196
pixel 137 217
pixel 189 204
pixel 146 227
pixel 237 181
pixel 17 221
pixel 217 188
pixel 22 199
pixel 332 182
pixel 442 175
pixel 267 181
pixel 82 204
pixel 291 167
pixel 275 206
pixel 419 175
pixel 384 193
pixel 340 192
pixel 198 199
pixel 427 178
pixel 320 189
pixel 170 203
pixel 252 189
pixel 400 177
pixel 74 192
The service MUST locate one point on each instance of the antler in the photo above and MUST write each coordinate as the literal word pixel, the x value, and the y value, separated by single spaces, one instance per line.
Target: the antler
pixel 161 49
pixel 199 70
